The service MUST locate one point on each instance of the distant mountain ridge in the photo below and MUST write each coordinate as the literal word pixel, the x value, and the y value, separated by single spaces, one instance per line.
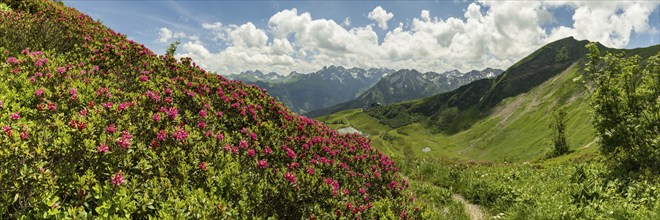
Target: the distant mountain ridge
pixel 405 85
pixel 306 92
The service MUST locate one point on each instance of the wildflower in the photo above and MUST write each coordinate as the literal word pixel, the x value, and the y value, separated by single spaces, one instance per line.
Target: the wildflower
pixel 102 148
pixel 13 60
pixel 15 116
pixel 310 171
pixel 202 166
pixel 122 106
pixel 250 153
pixel 7 130
pixel 180 134
pixel 111 129
pixel 61 70
pixel 243 144
pixel 290 153
pixel 262 164
pixel 290 177
pixel 24 135
pixel 125 140
pixel 107 105
pixel 202 113
pixel 201 124
pixel 156 117
pixel 39 92
pixel 117 179
pixel 219 136
pixel 161 135
pixel 267 151
pixel 172 113
pixel 144 78
pixel 52 106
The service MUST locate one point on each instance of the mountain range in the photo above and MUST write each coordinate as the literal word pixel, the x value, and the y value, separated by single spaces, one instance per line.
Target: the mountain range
pixel 405 85
pixel 306 92
pixel 336 88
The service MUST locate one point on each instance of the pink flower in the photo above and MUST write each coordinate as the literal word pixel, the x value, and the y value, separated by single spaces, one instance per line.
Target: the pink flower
pixel 290 153
pixel 172 113
pixel 202 113
pixel 1 104
pixel 111 129
pixel 262 164
pixel 39 92
pixel 61 70
pixel 202 166
pixel 161 135
pixel 107 105
pixel 122 106
pixel 219 136
pixel 250 153
pixel 290 177
pixel 156 117
pixel 363 191
pixel 125 139
pixel 24 135
pixel 13 60
pixel 83 112
pixel 201 124
pixel 102 148
pixel 267 151
pixel 117 179
pixel 310 171
pixel 7 130
pixel 243 144
pixel 180 134
pixel 144 78
pixel 73 93
pixel 52 106
pixel 15 116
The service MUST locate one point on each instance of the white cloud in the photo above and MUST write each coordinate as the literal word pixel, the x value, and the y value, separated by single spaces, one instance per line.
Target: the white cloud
pixel 347 21
pixel 381 17
pixel 164 35
pixel 488 34
pixel 426 15
pixel 248 35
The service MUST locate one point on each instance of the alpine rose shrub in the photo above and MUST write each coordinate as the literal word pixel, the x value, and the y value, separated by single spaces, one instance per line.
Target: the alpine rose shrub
pixel 116 131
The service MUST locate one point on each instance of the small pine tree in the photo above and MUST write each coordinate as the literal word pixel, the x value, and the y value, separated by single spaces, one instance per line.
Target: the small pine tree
pixel 558 126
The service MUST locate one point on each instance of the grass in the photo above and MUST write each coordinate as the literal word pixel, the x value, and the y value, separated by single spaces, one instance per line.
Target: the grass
pixel 516 130
pixel 573 186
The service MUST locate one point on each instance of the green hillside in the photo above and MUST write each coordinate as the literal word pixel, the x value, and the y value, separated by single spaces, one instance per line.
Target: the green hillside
pixel 501 119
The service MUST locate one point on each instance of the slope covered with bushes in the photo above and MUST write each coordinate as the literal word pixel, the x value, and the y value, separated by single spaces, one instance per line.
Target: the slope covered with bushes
pixel 94 124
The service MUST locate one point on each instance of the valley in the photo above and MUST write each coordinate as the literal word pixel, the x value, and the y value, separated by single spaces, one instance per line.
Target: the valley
pixel 96 125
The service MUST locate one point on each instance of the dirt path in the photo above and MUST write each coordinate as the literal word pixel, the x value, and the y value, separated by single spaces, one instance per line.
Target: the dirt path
pixel 474 211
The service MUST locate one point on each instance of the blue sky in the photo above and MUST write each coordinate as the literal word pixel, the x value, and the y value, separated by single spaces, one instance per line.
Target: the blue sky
pixel 233 36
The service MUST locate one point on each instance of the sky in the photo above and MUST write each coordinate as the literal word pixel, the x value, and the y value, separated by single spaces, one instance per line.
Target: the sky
pixel 230 37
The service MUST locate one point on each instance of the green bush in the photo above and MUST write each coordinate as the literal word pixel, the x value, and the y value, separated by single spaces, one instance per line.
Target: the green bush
pixel 626 102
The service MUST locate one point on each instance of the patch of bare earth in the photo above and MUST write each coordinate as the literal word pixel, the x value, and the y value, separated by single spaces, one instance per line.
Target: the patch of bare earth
pixel 474 211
